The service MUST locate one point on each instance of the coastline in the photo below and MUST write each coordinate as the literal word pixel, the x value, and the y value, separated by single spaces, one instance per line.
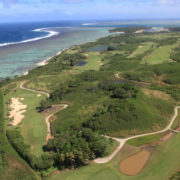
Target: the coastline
pixel 43 62
pixel 47 60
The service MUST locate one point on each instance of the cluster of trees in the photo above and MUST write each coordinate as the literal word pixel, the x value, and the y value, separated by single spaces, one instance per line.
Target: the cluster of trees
pixel 76 146
pixel 167 41
pixel 2 132
pixel 119 89
pixel 57 64
pixel 128 29
pixel 116 114
pixel 71 59
pixel 175 55
pixel 71 149
pixel 175 176
pixel 41 163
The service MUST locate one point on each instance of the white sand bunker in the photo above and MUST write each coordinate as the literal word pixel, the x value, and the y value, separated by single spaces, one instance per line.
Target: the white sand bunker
pixel 17 110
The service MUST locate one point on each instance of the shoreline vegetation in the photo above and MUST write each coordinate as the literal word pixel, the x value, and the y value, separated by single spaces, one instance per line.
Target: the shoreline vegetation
pixel 113 93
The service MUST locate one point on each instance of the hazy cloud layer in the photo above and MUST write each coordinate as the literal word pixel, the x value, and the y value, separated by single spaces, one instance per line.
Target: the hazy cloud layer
pixel 22 10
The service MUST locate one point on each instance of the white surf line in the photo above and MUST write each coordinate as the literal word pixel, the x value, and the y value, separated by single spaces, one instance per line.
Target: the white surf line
pixel 50 34
pixel 47 119
pixel 122 141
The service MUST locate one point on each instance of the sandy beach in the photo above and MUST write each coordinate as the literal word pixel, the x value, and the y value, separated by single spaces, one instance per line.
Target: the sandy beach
pixel 44 62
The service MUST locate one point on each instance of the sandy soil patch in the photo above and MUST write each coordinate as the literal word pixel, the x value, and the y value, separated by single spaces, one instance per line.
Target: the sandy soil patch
pixel 38 95
pixel 18 109
pixel 133 165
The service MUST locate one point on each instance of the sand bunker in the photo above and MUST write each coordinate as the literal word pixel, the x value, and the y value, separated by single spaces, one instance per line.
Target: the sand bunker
pixel 38 95
pixel 134 164
pixel 17 110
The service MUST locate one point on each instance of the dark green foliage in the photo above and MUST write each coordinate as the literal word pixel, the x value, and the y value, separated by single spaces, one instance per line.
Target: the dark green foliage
pixel 43 105
pixel 119 90
pixel 76 147
pixel 2 132
pixel 174 29
pixel 175 55
pixel 23 149
pixel 175 176
pixel 128 29
pixel 44 162
pixel 57 64
pixel 171 70
pixel 92 75
pixel 8 157
pixel 128 114
pixel 168 41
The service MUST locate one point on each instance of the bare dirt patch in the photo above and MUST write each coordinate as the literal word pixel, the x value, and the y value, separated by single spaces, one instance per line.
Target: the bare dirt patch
pixel 134 164
pixel 38 95
pixel 18 109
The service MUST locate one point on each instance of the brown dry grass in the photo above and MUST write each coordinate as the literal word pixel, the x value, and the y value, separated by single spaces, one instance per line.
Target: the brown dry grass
pixel 157 94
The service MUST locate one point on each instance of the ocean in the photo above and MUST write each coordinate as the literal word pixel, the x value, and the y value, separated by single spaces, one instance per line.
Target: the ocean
pixel 24 45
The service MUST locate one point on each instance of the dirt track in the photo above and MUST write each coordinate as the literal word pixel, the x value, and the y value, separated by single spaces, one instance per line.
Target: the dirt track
pixel 48 118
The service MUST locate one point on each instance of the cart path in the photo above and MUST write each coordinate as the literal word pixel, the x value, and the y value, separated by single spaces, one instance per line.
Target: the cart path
pixel 122 141
pixel 48 118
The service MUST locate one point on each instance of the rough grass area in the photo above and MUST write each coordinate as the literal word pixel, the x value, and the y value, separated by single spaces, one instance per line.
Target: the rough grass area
pixel 145 140
pixel 33 126
pixel 159 55
pixel 163 163
pixel 177 121
pixel 49 82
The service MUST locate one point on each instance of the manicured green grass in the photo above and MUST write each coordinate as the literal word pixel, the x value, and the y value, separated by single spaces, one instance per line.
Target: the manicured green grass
pixel 93 62
pixel 141 49
pixel 159 55
pixel 163 163
pixel 33 126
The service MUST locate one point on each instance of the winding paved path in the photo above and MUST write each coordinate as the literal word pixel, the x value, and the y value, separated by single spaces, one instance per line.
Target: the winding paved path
pixel 47 119
pixel 122 141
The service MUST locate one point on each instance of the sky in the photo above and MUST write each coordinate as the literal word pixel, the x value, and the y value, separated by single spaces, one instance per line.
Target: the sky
pixel 47 10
